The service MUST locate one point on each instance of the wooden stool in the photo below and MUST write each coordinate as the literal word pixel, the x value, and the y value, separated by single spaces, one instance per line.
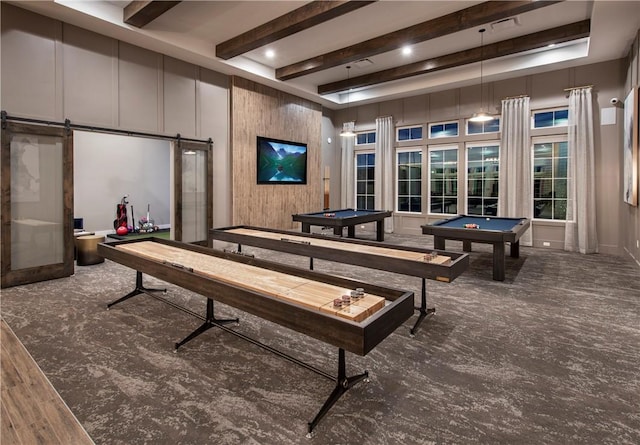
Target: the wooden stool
pixel 87 247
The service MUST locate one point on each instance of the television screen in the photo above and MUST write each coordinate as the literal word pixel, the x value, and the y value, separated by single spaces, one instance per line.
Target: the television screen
pixel 281 162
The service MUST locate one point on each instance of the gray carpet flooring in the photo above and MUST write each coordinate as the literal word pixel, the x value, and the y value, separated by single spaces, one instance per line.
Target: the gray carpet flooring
pixel 549 356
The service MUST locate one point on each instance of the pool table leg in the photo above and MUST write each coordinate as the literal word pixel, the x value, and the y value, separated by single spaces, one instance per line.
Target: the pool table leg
pixel 438 242
pixel 380 230
pixel 466 246
pixel 498 261
pixel 515 249
pixel 351 231
pixel 306 227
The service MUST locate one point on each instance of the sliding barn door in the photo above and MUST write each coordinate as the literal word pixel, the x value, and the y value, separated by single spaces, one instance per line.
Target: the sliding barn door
pixel 193 207
pixel 37 203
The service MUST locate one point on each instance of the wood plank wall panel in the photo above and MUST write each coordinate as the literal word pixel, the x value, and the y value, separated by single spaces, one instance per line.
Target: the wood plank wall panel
pixel 29 63
pixel 214 120
pixel 139 88
pixel 257 110
pixel 90 63
pixel 179 97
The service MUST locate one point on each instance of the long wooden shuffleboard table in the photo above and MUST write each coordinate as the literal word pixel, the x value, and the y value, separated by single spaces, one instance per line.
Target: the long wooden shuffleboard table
pixel 431 264
pixel 299 299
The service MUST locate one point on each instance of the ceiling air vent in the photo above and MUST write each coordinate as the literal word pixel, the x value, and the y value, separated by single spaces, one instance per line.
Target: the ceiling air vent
pixel 503 24
pixel 363 63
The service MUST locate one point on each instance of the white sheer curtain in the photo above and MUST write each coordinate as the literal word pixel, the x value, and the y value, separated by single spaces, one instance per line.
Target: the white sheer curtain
pixel 515 189
pixel 580 230
pixel 384 197
pixel 347 169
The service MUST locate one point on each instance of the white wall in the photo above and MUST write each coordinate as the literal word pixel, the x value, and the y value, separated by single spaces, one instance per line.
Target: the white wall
pixel 107 167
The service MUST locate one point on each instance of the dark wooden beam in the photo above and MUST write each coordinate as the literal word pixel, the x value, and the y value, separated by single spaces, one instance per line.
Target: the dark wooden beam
pixel 516 45
pixel 140 13
pixel 306 16
pixel 481 14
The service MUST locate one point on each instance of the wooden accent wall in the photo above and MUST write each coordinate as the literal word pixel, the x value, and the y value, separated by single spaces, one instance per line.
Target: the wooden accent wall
pixel 258 110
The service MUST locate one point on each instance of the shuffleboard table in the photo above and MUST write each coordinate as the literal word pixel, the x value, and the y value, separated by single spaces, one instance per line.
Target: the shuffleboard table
pixel 339 219
pixel 413 261
pixel 299 299
pixel 481 229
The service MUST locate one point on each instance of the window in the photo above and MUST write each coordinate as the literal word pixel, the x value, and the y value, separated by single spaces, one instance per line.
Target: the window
pixel 409 181
pixel 366 138
pixel 482 179
pixel 492 126
pixel 443 181
pixel 550 118
pixel 409 133
pixel 365 180
pixel 550 180
pixel 443 130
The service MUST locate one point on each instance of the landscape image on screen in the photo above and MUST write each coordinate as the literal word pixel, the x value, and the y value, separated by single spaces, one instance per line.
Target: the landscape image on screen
pixel 281 162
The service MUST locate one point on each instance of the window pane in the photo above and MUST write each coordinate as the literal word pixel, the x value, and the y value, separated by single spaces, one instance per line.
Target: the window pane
pixel 474 154
pixel 542 168
pixel 403 204
pixel 491 188
pixel 475 206
pixel 403 134
pixel 361 187
pixel 560 209
pixel 474 127
pixel 415 157
pixel 371 159
pixel 361 173
pixel 403 157
pixel 561 168
pixel 436 188
pixel 361 160
pixel 416 133
pixel 361 138
pixel 451 155
pixel 561 118
pixel 451 187
pixel 416 204
pixel 403 171
pixel 490 207
pixel 371 138
pixel 415 172
pixel 542 150
pixel 493 126
pixel 403 188
pixel 437 131
pixel 561 149
pixel 415 188
pixel 437 205
pixel 542 188
pixel 542 209
pixel 451 129
pixel 361 202
pixel 543 119
pixel 560 188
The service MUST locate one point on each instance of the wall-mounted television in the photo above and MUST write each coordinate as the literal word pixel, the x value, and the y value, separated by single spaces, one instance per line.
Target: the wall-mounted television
pixel 281 162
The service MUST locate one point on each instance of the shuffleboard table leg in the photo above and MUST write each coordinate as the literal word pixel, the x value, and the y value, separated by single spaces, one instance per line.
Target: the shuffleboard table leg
pixel 343 383
pixel 139 289
pixel 424 311
pixel 210 321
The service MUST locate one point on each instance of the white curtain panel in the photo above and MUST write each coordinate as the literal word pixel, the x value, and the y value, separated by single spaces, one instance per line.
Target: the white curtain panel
pixel 347 170
pixel 515 188
pixel 580 230
pixel 384 196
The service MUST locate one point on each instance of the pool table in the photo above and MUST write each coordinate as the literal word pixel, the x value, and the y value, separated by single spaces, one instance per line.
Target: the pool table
pixel 490 230
pixel 348 218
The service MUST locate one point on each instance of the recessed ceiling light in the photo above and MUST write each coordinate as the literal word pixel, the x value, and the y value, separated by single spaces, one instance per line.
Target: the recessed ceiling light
pixel 406 50
pixel 270 53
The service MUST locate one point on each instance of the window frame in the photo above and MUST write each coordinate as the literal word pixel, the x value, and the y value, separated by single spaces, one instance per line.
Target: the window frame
pixel 443 123
pixel 483 132
pixel 409 127
pixel 355 177
pixel 549 139
pixel 367 132
pixel 549 110
pixel 397 179
pixel 439 147
pixel 477 144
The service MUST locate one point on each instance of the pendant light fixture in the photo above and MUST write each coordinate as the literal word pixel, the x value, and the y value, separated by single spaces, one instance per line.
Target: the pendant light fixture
pixel 481 116
pixel 348 128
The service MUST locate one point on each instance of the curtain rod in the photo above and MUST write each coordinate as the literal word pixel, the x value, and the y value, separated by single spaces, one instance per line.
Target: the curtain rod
pixel 67 124
pixel 516 97
pixel 577 88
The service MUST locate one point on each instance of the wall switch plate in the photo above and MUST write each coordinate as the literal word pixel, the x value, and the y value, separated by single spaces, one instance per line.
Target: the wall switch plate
pixel 546 243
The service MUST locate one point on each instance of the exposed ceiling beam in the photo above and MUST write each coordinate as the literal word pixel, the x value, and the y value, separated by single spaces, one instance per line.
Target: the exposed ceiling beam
pixel 140 13
pixel 297 20
pixel 481 14
pixel 516 45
